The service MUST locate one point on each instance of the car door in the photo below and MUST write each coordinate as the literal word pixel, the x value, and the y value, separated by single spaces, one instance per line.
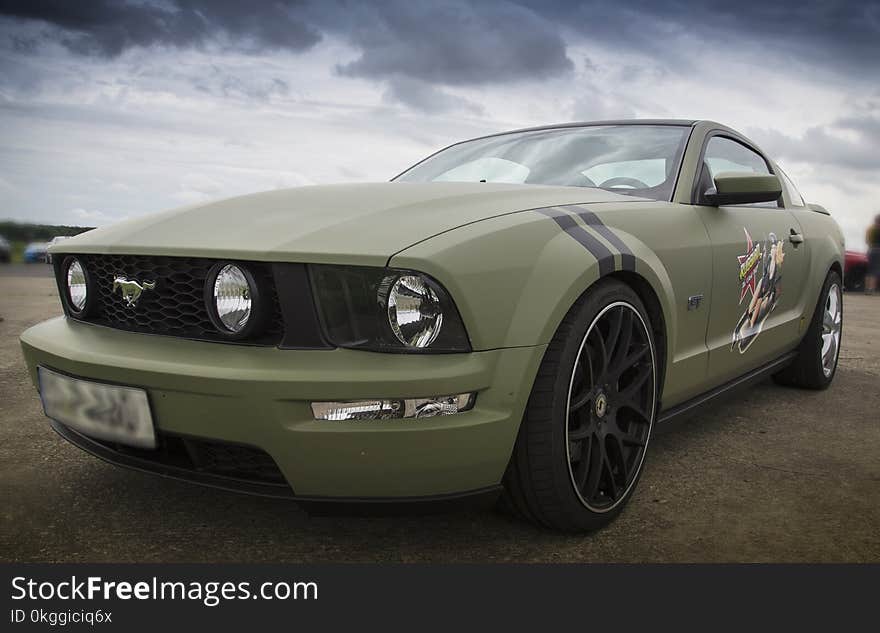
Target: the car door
pixel 760 267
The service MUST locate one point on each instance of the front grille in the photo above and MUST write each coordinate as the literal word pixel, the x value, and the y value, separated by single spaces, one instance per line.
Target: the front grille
pixel 176 307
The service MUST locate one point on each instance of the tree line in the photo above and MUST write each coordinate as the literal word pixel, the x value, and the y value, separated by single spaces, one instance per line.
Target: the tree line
pixel 24 232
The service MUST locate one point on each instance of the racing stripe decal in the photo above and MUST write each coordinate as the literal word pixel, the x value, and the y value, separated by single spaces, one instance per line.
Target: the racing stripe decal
pixel 627 259
pixel 596 248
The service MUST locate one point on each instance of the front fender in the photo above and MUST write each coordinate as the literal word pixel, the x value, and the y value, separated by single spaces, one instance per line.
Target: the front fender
pixel 515 277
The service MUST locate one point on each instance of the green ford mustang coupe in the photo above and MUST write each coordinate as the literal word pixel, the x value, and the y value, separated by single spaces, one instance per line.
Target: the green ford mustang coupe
pixel 512 315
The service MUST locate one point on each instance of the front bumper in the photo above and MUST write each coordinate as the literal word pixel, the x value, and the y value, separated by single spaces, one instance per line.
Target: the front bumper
pixel 260 397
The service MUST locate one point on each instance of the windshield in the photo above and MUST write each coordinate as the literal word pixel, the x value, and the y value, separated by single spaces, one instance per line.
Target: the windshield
pixel 638 160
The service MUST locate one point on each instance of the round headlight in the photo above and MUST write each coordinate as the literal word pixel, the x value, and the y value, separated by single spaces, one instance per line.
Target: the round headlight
pixel 414 311
pixel 233 298
pixel 77 288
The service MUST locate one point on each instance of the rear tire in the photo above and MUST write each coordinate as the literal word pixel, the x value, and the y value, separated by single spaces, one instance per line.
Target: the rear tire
pixel 582 442
pixel 816 362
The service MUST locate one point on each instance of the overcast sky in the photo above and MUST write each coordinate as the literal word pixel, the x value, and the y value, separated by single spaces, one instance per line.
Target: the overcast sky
pixel 115 109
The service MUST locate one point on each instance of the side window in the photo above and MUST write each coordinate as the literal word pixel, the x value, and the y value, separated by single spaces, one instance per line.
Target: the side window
pixel 797 200
pixel 724 154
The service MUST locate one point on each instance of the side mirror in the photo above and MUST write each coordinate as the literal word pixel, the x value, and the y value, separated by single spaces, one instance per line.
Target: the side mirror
pixel 733 187
pixel 818 208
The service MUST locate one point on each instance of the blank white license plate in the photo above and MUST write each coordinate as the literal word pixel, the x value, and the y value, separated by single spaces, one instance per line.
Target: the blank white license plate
pixel 106 412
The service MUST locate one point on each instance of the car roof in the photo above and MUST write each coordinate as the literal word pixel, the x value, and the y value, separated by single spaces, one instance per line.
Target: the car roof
pixel 555 126
pixel 575 124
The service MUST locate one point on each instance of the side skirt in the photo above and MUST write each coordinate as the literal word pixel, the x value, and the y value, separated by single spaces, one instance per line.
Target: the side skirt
pixel 684 410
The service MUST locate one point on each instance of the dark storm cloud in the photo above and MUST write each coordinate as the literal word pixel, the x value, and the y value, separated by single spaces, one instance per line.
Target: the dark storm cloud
pixel 841 34
pixel 449 42
pixel 108 28
pixel 416 48
pixel 425 97
pixel 456 43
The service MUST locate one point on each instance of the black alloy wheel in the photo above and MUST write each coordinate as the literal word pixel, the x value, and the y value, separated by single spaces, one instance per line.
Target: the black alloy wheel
pixel 610 406
pixel 582 443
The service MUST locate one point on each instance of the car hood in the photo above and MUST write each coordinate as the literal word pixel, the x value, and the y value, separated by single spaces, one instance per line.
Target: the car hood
pixel 351 224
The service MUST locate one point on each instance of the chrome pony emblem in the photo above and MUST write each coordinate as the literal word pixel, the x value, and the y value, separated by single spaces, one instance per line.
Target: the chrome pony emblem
pixel 131 289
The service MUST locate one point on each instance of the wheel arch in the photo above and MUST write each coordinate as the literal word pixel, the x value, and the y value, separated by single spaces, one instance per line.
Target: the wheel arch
pixel 646 292
pixel 827 253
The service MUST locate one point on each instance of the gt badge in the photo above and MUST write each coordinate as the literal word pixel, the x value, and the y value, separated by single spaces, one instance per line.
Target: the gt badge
pixel 760 271
pixel 131 289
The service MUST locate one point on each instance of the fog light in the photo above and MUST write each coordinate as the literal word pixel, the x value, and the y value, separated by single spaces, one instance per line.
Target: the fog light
pixel 77 288
pixel 232 298
pixel 393 409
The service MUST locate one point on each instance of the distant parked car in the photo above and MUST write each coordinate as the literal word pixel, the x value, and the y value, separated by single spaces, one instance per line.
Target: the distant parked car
pixel 854 268
pixel 55 240
pixel 35 253
pixel 4 250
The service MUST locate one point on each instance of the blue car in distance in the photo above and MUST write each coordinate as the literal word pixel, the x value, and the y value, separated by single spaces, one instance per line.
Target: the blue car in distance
pixel 35 253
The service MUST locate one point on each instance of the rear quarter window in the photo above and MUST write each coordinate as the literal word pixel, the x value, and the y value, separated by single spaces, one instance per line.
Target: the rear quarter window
pixel 794 196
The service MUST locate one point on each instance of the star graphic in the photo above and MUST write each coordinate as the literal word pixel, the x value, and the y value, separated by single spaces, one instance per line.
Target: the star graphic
pixel 748 282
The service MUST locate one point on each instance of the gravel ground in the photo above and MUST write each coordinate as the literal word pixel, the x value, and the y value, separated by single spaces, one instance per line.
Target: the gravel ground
pixel 771 474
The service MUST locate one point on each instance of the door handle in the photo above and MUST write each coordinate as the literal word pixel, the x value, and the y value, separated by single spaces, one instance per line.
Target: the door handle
pixel 795 238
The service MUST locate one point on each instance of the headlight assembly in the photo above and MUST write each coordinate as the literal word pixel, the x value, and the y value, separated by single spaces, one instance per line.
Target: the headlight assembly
pixel 386 309
pixel 414 311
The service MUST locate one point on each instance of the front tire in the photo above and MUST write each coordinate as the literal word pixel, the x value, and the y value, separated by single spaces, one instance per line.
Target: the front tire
pixel 583 439
pixel 816 362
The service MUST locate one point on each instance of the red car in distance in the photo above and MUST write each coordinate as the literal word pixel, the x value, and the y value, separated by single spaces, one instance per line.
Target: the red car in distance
pixel 855 266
